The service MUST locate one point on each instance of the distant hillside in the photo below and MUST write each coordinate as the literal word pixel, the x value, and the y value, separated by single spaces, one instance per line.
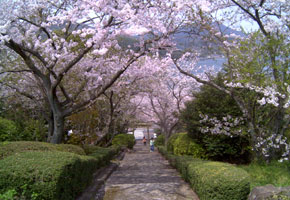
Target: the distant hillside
pixel 187 39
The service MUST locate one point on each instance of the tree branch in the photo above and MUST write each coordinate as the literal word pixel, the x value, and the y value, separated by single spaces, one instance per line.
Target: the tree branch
pixel 80 106
pixel 16 71
pixel 69 66
pixel 200 80
pixel 21 92
pixel 41 28
pixel 255 17
pixel 239 101
pixel 18 49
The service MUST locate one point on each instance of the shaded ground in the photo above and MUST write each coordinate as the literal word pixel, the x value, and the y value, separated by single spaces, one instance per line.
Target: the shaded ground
pixel 144 175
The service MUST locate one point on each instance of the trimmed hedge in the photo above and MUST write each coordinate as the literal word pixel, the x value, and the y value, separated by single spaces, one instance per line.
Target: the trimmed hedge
pixel 211 180
pixel 126 140
pixel 89 149
pixel 70 148
pixel 11 148
pixel 46 175
pixel 39 170
pixel 216 180
pixel 103 155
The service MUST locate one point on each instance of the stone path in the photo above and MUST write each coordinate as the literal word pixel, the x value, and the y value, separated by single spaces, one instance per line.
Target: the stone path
pixel 144 175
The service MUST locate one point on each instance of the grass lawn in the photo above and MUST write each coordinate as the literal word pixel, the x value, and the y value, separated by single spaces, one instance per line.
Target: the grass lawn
pixel 275 173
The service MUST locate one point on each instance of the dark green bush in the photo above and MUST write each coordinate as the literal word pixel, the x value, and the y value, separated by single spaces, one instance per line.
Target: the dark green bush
pixel 219 181
pixel 8 130
pixel 70 148
pixel 234 149
pixel 46 175
pixel 182 163
pixel 179 162
pixel 182 144
pixel 160 140
pixel 126 140
pixel 103 155
pixel 10 148
pixel 90 148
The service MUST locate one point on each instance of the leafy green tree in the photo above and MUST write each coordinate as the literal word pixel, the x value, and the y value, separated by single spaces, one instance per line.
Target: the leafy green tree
pixel 216 104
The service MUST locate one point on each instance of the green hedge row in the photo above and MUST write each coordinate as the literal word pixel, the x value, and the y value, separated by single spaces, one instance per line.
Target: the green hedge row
pixel 38 170
pixel 11 148
pixel 211 180
pixel 126 140
pixel 46 175
pixel 103 155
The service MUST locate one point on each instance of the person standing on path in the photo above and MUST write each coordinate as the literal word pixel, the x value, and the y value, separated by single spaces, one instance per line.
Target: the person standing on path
pixel 144 141
pixel 151 144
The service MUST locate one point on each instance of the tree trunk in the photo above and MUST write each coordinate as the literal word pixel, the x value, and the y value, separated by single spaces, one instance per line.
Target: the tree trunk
pixel 111 131
pixel 58 121
pixel 50 128
pixel 167 133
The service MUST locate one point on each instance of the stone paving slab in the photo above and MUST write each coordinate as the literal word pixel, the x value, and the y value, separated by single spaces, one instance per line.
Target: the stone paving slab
pixel 145 175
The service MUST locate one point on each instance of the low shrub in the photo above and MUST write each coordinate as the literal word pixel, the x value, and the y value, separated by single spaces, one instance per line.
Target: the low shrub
pixel 46 175
pixel 10 148
pixel 70 148
pixel 126 140
pixel 90 148
pixel 220 181
pixel 160 140
pixel 103 155
pixel 182 163
pixel 182 144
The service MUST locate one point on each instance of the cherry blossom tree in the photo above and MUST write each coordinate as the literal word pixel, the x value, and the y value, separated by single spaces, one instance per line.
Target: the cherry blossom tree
pixel 116 110
pixel 163 95
pixel 121 108
pixel 71 47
